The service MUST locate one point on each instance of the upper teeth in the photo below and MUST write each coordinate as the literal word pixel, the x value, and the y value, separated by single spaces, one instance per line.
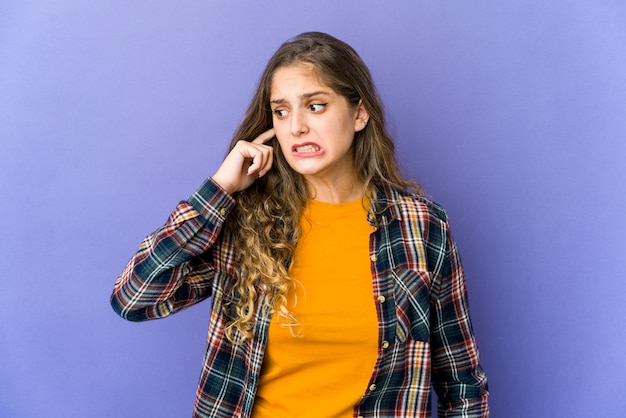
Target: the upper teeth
pixel 306 148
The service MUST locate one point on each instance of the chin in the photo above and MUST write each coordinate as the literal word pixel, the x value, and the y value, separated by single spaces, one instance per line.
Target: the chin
pixel 306 172
pixel 304 167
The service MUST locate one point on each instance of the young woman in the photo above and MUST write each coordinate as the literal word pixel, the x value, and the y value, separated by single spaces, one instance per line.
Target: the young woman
pixel 337 290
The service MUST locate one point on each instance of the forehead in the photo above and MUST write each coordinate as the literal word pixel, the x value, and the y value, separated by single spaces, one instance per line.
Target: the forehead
pixel 296 79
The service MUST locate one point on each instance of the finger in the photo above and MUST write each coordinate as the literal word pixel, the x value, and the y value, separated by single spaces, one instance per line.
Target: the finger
pixel 255 164
pixel 267 164
pixel 261 161
pixel 264 137
pixel 255 157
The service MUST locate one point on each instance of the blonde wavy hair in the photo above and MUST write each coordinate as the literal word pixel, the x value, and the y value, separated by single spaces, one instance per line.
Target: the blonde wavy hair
pixel 265 221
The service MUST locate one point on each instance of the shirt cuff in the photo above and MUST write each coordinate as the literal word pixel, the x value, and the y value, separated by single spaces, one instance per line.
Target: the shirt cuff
pixel 210 200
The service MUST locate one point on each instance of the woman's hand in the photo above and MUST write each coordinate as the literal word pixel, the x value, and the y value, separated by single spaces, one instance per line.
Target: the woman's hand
pixel 246 162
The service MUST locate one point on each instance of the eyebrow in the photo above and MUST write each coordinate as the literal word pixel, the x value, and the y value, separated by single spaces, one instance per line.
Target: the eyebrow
pixel 303 96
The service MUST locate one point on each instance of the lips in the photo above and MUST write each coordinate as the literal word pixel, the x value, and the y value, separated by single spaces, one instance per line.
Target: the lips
pixel 307 149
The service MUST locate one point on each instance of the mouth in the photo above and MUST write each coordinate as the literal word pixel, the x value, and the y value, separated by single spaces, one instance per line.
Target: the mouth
pixel 306 148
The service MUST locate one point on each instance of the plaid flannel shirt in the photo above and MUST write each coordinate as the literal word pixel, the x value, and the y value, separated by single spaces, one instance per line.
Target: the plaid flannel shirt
pixel 425 334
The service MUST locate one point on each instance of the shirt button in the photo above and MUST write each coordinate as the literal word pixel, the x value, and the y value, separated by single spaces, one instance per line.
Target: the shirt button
pixel 223 211
pixel 381 299
pixel 373 257
pixel 385 344
pixel 372 387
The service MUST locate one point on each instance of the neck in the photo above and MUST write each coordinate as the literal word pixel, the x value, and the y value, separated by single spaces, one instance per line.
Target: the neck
pixel 336 191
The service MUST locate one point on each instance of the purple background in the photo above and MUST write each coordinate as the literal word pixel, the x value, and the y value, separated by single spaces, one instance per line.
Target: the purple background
pixel 512 115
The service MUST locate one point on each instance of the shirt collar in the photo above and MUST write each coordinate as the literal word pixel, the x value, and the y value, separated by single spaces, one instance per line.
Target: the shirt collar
pixel 385 204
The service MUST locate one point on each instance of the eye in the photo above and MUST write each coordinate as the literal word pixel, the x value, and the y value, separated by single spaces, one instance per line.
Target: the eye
pixel 280 113
pixel 317 107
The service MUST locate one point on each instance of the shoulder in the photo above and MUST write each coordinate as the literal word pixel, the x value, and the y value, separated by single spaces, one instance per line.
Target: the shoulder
pixel 420 223
pixel 428 206
pixel 408 206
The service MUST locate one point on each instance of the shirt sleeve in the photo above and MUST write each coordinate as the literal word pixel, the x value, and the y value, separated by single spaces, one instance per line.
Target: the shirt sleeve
pixel 174 266
pixel 458 378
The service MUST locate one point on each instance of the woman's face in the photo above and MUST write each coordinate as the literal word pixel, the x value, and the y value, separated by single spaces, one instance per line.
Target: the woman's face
pixel 314 125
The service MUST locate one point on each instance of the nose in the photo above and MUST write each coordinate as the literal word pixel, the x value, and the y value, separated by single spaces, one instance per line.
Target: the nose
pixel 298 123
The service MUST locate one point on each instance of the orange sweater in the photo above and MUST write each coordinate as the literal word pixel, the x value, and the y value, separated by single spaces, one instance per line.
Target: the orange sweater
pixel 324 371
